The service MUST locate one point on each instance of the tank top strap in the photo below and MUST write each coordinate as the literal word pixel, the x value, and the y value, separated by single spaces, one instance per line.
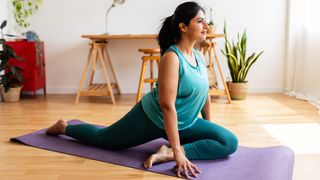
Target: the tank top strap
pixel 176 50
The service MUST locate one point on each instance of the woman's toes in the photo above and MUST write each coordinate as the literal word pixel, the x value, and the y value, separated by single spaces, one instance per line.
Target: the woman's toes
pixel 148 163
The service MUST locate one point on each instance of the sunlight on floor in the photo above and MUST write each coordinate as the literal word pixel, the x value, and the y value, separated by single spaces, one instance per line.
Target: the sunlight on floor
pixel 302 138
pixel 260 108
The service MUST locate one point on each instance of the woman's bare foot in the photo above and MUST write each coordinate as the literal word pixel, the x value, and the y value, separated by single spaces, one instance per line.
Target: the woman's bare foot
pixel 58 128
pixel 163 154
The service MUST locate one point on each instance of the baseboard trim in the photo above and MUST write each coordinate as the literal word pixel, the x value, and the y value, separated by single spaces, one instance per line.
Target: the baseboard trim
pixel 72 90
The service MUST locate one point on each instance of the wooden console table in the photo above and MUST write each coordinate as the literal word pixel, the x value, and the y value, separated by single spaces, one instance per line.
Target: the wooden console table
pixel 99 52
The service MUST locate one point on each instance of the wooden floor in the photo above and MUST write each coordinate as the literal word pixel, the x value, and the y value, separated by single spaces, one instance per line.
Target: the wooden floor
pixel 261 120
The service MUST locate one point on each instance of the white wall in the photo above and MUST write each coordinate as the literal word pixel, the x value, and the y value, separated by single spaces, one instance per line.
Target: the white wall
pixel 3 10
pixel 5 14
pixel 61 23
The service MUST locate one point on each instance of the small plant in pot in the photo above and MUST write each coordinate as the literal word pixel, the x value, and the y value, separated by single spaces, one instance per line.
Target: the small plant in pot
pixel 10 76
pixel 239 65
pixel 212 28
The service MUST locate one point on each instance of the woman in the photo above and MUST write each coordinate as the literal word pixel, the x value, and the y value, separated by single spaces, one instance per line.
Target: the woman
pixel 171 109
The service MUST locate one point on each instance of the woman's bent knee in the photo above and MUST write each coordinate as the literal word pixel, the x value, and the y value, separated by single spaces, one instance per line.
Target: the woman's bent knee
pixel 232 144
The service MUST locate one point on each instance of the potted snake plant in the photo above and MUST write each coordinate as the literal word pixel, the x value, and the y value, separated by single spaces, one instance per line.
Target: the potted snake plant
pixel 239 65
pixel 11 80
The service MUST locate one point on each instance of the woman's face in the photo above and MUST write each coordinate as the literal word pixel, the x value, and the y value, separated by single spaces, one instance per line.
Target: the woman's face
pixel 197 28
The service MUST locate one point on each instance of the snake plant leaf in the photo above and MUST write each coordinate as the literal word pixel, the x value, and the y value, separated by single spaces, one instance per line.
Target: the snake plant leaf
pixel 225 28
pixel 229 64
pixel 229 47
pixel 234 50
pixel 253 60
pixel 240 77
pixel 242 63
pixel 244 44
pixel 234 69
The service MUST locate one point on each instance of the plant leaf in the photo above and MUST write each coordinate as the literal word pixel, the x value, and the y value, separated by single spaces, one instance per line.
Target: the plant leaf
pixel 251 61
pixel 9 51
pixel 11 35
pixel 3 24
pixel 16 75
pixel 234 65
pixel 3 64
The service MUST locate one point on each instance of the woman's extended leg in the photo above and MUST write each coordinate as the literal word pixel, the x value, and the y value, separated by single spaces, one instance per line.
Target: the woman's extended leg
pixel 206 140
pixel 133 129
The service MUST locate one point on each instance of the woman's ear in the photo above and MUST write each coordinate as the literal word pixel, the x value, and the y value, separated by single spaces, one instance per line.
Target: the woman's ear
pixel 183 27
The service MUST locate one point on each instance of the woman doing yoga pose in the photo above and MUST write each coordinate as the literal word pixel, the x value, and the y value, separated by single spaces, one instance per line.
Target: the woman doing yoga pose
pixel 171 109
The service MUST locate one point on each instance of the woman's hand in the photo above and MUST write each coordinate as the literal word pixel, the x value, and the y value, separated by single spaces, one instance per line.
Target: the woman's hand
pixel 183 164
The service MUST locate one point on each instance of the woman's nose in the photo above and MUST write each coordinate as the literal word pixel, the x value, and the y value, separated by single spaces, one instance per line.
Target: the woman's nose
pixel 206 26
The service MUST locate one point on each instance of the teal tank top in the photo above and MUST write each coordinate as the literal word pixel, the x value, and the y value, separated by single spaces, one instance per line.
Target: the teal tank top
pixel 193 88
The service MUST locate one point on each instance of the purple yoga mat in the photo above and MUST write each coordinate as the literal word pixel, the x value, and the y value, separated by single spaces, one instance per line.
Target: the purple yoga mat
pixel 270 163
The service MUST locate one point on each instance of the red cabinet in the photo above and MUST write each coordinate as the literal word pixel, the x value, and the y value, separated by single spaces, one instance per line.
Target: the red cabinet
pixel 32 63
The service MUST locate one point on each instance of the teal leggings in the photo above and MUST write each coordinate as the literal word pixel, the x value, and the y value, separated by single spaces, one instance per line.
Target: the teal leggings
pixel 203 140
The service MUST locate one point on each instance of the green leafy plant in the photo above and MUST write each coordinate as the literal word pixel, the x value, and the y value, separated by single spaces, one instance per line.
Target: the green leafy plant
pixel 10 76
pixel 239 64
pixel 24 9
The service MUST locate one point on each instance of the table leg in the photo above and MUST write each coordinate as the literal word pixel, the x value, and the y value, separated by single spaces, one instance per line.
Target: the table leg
pixel 106 76
pixel 106 54
pixel 221 74
pixel 83 77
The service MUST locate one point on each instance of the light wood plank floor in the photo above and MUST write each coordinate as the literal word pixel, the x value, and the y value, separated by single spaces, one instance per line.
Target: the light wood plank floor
pixel 261 120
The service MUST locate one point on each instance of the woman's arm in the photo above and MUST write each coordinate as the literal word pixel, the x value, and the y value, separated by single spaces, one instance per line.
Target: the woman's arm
pixel 205 112
pixel 168 84
pixel 168 79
